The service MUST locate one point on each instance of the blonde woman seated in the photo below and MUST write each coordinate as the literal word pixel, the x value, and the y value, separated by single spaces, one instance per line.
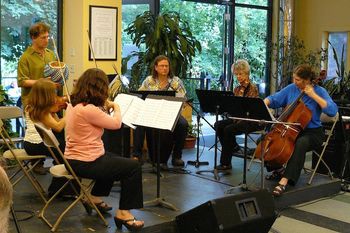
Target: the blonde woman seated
pixel 87 116
pixel 41 105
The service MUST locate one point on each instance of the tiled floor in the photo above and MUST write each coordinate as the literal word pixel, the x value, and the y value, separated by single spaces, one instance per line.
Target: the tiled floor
pixel 187 190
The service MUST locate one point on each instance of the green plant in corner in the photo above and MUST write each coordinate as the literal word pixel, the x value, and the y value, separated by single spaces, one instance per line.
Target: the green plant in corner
pixel 165 34
pixel 192 130
pixel 287 53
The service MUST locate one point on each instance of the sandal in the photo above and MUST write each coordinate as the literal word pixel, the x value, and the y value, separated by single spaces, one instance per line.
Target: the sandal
pixel 279 190
pixel 101 206
pixel 133 226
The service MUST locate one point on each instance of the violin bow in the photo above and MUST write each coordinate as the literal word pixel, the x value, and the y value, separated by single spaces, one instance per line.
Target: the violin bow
pixel 59 64
pixel 92 51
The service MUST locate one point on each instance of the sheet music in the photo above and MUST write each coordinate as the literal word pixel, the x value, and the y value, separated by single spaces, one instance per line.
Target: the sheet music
pixel 129 108
pixel 159 113
pixel 154 113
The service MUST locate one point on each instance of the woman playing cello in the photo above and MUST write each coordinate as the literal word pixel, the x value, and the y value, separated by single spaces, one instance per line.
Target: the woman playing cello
pixel 317 101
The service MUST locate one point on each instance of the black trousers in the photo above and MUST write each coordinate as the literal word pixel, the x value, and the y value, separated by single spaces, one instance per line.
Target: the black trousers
pixel 109 168
pixel 139 137
pixel 308 140
pixel 226 131
pixel 169 141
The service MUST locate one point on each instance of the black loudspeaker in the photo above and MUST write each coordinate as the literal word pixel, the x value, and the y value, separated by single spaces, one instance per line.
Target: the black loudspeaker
pixel 246 212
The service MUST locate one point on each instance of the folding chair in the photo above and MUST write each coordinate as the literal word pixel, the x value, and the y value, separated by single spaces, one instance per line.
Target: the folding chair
pixel 23 161
pixel 13 112
pixel 63 170
pixel 329 133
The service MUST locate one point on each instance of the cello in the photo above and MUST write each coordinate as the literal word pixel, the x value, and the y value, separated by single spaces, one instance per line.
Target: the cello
pixel 278 144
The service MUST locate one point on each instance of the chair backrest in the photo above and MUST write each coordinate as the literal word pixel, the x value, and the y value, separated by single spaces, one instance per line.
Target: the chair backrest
pixel 5 136
pixel 47 135
pixel 9 112
pixel 328 119
pixel 14 112
pixel 51 141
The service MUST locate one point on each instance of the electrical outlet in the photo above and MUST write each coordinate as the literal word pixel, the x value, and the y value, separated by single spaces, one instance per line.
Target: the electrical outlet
pixel 72 69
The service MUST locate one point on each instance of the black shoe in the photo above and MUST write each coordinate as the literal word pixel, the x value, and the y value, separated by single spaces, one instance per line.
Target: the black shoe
pixel 177 162
pixel 236 149
pixel 222 167
pixel 164 166
pixel 40 169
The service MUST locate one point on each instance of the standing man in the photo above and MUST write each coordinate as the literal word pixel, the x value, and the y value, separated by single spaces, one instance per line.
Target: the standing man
pixel 32 62
pixel 228 129
pixel 30 69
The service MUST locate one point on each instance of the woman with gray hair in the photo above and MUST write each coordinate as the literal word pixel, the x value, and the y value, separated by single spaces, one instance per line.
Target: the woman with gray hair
pixel 5 200
pixel 227 129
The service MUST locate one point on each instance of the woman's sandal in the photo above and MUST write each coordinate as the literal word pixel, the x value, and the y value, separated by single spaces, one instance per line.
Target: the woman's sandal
pixel 132 227
pixel 279 190
pixel 101 206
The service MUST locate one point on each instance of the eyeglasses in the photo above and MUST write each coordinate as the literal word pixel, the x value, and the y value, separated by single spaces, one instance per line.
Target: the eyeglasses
pixel 163 66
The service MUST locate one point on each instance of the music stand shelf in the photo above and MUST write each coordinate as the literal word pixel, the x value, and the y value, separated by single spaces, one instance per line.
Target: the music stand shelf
pixel 211 101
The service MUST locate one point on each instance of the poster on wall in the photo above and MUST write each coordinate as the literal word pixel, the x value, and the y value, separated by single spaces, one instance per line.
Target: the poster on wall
pixel 103 33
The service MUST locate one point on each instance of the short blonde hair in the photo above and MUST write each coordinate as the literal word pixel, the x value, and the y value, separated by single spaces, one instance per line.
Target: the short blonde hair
pixel 241 65
pixel 5 200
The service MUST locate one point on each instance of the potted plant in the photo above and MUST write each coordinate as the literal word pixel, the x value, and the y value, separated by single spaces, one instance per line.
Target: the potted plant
pixel 338 87
pixel 287 53
pixel 192 133
pixel 164 34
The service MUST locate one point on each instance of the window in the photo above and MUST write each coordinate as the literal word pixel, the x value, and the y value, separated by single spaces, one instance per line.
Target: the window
pixel 16 18
pixel 247 36
pixel 130 11
pixel 338 42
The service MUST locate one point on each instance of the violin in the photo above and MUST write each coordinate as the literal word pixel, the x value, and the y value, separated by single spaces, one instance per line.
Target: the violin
pixel 61 103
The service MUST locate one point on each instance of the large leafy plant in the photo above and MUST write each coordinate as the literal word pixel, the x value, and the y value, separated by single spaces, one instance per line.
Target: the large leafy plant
pixel 338 86
pixel 287 53
pixel 164 34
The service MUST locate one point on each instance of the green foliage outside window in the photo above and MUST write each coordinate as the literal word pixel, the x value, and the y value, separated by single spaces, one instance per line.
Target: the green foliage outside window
pixel 16 18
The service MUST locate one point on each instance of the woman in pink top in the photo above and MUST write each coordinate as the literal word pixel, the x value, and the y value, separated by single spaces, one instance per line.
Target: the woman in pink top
pixel 86 117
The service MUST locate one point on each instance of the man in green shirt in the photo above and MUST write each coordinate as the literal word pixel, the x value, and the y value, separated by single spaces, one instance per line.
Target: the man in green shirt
pixel 30 69
pixel 33 60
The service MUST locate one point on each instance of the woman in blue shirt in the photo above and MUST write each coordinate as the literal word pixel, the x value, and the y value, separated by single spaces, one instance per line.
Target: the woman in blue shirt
pixel 318 101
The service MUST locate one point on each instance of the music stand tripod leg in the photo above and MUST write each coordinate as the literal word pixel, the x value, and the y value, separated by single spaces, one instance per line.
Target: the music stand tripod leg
pixel 197 163
pixel 243 186
pixel 215 170
pixel 158 201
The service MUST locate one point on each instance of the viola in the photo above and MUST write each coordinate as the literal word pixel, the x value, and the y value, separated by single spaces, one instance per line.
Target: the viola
pixel 278 145
pixel 61 103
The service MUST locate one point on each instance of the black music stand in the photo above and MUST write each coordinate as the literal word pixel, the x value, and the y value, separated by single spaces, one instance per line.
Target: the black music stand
pixel 198 163
pixel 159 201
pixel 253 110
pixel 213 102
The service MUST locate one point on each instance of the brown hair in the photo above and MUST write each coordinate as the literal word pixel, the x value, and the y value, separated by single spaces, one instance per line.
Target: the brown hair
pixel 155 63
pixel 41 98
pixel 304 72
pixel 37 29
pixel 91 88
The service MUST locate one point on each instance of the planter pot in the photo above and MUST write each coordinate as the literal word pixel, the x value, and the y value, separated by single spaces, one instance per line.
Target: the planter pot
pixel 190 142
